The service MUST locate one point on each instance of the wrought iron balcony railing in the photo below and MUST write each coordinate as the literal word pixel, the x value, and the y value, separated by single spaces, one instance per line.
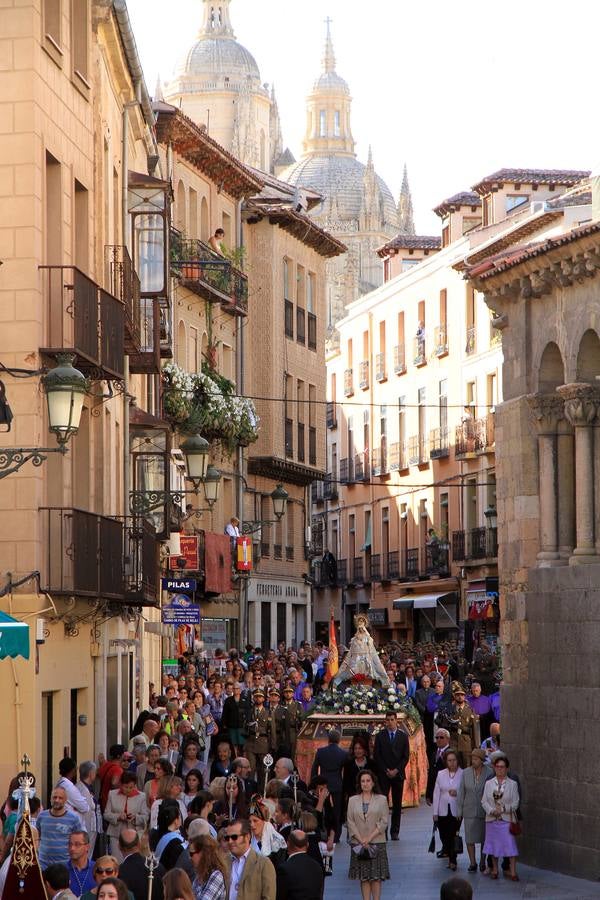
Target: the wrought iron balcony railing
pixel 211 277
pixel 125 286
pixel 399 360
pixel 363 375
pixel 439 445
pixel 331 415
pixel 476 543
pixel 348 383
pixel 419 357
pixel 440 339
pixel 380 369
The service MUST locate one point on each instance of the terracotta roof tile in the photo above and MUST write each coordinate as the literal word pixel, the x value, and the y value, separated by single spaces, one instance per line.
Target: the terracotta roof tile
pixel 563 177
pixel 411 242
pixel 463 198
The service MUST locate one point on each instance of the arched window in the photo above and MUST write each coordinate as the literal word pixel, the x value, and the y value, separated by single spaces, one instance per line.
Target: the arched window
pixel 336 123
pixel 323 123
pixel 552 370
pixel 588 358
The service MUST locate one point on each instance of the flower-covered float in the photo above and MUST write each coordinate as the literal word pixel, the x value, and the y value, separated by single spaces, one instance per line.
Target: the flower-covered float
pixel 356 701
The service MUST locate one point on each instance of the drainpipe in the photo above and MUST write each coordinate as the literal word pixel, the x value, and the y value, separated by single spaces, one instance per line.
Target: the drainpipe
pixel 239 502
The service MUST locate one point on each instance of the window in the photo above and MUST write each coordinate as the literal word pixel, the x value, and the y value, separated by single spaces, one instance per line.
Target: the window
pixel 51 30
pixel 470 402
pixel 300 325
pixel 53 217
pixel 446 231
pixel 443 406
pixel 383 437
pixel 193 229
pixel 180 211
pixel 286 279
pixel 402 449
pixel 444 516
pixel 289 306
pixel 226 226
pixel 81 233
pixel 310 292
pixel 409 263
pixel 515 201
pixel 492 391
pixel 192 356
pixel 487 210
pixel 470 317
pixel 323 123
pixel 79 41
pixel 336 123
pixel 300 286
pixel 470 222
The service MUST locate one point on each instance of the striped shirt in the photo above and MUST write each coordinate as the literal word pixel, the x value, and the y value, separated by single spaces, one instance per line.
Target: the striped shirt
pixel 54 836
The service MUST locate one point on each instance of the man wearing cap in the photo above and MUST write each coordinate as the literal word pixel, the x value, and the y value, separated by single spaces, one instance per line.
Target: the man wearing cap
pixel 258 728
pixel 462 736
pixel 276 724
pixel 293 719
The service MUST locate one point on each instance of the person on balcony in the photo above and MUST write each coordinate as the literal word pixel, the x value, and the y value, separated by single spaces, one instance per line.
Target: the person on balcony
pixel 216 242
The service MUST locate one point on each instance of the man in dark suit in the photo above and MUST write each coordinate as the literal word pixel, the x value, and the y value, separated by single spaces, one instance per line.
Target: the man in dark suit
pixel 133 869
pixel 329 762
pixel 437 761
pixel 241 767
pixel 391 758
pixel 301 876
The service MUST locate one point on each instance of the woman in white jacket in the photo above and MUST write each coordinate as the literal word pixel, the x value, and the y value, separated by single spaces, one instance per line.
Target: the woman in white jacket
pixel 125 808
pixel 445 810
pixel 500 801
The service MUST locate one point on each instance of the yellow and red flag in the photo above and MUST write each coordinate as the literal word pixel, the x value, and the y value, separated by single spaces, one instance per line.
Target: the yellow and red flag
pixel 333 662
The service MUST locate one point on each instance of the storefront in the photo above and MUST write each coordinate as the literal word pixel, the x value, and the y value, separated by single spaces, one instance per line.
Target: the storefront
pixel 435 616
pixel 483 614
pixel 278 610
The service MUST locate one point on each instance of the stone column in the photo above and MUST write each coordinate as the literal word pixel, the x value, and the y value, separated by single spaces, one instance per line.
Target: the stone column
pixel 566 489
pixel 546 411
pixel 581 408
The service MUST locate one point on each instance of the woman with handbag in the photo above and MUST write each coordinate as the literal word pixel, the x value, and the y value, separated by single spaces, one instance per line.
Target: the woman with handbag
pixel 445 808
pixel 500 801
pixel 469 806
pixel 367 822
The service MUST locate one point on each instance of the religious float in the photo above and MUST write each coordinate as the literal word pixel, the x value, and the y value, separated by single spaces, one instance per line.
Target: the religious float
pixel 356 701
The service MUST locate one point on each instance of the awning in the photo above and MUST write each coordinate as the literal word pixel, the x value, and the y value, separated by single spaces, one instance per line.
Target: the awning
pixel 14 637
pixel 420 601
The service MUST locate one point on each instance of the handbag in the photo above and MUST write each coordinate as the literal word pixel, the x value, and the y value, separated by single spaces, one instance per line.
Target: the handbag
pixel 431 848
pixel 515 826
pixel 458 844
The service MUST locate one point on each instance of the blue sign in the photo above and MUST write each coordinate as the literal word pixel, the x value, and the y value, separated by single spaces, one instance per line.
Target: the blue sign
pixel 176 585
pixel 180 610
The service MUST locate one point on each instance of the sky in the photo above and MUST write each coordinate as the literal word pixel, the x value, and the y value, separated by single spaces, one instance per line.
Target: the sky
pixel 454 90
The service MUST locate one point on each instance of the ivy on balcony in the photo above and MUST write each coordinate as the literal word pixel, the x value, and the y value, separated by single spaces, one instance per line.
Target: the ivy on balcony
pixel 206 403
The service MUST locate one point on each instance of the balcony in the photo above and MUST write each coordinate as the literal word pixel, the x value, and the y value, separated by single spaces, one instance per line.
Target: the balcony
pixel 125 286
pixel 380 370
pixel 413 450
pixel 84 319
pixel 392 572
pixel 208 275
pixel 363 375
pixel 362 468
pixel 440 340
pixel 289 319
pixel 358 570
pixel 316 492
pixel 289 439
pixel 165 331
pixel 412 563
pixel 289 554
pixel 419 358
pixel 439 445
pixel 300 325
pixel 379 461
pixel 399 360
pixel 83 554
pixel 346 470
pixel 375 567
pixel 316 548
pixel 464 439
pixel 423 450
pixel 485 433
pixel 312 331
pixel 330 490
pixel 331 415
pixel 265 549
pixel 146 361
pixel 312 445
pixel 475 544
pixel 342 572
pixel 348 383
pixel 437 559
pixel 471 344
pixel 277 551
pixel 141 563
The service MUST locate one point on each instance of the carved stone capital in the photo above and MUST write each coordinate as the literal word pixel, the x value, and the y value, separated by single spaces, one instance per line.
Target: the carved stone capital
pixel 546 411
pixel 582 402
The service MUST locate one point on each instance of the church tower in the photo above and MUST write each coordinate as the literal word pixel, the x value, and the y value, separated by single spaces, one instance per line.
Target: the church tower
pixel 217 83
pixel 358 206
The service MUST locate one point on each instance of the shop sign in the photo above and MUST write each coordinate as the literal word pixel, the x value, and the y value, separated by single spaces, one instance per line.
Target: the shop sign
pixel 243 560
pixel 188 558
pixel 179 585
pixel 264 589
pixel 180 610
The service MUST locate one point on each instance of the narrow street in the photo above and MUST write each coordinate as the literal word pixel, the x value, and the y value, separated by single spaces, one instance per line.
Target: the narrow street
pixel 417 874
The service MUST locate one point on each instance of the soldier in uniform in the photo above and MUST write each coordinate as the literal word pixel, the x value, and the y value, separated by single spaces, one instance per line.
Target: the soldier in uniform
pixel 462 730
pixel 277 723
pixel 257 742
pixel 294 718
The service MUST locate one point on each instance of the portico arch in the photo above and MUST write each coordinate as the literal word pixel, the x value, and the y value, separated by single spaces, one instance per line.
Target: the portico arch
pixel 588 357
pixel 552 370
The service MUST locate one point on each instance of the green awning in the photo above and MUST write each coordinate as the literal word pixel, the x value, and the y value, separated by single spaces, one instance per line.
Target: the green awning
pixel 14 637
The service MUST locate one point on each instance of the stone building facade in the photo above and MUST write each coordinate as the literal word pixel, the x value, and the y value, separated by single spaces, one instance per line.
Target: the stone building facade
pixel 543 295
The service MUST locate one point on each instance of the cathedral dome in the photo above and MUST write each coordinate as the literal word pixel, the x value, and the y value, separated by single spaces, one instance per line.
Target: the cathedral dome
pixel 340 179
pixel 215 58
pixel 331 81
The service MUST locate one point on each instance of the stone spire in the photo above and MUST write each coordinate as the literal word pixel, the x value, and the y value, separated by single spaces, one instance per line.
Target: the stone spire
pixel 158 91
pixel 405 207
pixel 216 21
pixel 328 55
pixel 371 214
pixel 275 136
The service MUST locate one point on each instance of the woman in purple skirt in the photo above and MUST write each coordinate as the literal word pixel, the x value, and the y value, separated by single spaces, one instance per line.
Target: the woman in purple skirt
pixel 500 801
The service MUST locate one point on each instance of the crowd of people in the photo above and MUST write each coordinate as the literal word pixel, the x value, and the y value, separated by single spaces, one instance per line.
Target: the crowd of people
pixel 208 791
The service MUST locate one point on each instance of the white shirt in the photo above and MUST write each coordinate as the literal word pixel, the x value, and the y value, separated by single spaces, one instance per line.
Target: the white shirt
pixel 76 802
pixel 232 530
pixel 237 870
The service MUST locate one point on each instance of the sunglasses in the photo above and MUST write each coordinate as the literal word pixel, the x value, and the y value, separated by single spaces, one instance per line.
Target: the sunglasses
pixel 101 871
pixel 231 837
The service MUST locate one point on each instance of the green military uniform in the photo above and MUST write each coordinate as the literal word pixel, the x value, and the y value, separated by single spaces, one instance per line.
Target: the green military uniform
pixel 462 735
pixel 294 718
pixel 257 742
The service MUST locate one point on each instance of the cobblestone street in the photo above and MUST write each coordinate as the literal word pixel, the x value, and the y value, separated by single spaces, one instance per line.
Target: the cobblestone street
pixel 417 874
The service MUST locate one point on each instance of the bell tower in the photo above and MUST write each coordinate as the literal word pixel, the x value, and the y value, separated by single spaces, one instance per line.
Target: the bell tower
pixel 328 109
pixel 216 21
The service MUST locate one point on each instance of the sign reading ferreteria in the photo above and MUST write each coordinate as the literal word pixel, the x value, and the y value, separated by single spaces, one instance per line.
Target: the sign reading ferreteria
pixel 180 610
pixel 277 589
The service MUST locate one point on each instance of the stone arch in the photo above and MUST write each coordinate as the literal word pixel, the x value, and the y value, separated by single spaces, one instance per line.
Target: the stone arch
pixel 204 221
pixel 588 357
pixel 552 370
pixel 180 208
pixel 181 345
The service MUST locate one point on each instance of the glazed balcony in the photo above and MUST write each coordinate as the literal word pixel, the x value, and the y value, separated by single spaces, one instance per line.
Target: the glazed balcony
pixel 399 360
pixel 84 319
pixel 202 271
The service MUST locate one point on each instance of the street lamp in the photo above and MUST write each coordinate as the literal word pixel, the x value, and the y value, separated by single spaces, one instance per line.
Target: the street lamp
pixel 491 516
pixel 212 482
pixel 65 388
pixel 195 449
pixel 280 498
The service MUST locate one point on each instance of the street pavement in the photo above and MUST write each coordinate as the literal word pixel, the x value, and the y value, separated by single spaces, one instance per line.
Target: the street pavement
pixel 417 874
